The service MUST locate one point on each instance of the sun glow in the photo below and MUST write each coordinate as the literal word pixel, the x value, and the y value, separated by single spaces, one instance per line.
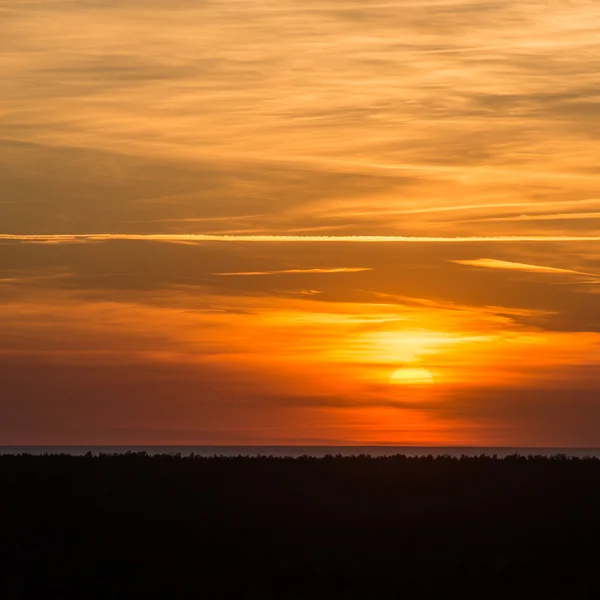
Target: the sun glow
pixel 411 376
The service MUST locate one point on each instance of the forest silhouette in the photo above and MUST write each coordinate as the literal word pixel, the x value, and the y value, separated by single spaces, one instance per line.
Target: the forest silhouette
pixel 166 526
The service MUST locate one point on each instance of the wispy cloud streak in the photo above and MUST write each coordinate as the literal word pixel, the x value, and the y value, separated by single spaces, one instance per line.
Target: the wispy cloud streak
pixel 297 271
pixel 207 237
pixel 491 263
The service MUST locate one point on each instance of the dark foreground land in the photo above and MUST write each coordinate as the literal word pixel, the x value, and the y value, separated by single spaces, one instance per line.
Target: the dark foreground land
pixel 134 526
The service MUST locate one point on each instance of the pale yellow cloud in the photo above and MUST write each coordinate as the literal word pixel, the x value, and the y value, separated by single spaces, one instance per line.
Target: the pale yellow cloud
pixel 491 263
pixel 207 237
pixel 298 271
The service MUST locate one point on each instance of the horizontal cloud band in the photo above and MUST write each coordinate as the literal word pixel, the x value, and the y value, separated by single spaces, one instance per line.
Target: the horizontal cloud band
pixel 297 271
pixel 202 237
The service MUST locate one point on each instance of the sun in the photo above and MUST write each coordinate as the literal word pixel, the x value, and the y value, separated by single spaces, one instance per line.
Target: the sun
pixel 411 376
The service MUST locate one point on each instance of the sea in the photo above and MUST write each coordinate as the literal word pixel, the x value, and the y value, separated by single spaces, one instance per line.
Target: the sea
pixel 297 451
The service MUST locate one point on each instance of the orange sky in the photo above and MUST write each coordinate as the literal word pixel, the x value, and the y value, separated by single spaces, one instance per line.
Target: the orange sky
pixel 300 222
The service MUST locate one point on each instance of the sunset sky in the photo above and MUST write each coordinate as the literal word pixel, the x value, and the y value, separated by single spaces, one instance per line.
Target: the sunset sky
pixel 300 222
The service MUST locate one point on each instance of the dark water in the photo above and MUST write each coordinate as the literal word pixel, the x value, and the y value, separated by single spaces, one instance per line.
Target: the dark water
pixel 293 451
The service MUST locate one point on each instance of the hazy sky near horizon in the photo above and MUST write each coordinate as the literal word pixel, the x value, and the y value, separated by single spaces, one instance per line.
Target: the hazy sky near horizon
pixel 235 222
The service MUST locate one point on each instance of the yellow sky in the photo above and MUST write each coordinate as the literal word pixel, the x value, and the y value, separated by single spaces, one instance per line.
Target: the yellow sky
pixel 186 186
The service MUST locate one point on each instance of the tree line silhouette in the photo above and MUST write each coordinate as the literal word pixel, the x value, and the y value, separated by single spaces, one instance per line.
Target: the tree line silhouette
pixel 166 526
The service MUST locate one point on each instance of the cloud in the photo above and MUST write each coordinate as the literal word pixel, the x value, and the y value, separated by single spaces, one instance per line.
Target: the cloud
pixel 298 271
pixel 207 237
pixel 491 263
pixel 572 216
pixel 483 124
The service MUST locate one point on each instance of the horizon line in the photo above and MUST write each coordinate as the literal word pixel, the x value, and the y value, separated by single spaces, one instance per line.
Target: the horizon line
pixel 298 446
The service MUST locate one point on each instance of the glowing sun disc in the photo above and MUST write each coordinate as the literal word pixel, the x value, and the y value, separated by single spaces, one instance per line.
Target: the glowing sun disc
pixel 412 376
